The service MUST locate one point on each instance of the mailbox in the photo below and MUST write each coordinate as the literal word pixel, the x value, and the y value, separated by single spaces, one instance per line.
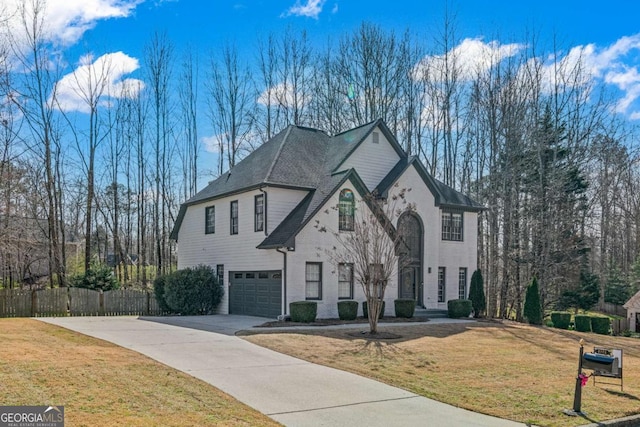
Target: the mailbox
pixel 604 362
pixel 600 363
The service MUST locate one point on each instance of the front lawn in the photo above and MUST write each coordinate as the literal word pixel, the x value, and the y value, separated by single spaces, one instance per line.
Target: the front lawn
pixel 101 384
pixel 508 370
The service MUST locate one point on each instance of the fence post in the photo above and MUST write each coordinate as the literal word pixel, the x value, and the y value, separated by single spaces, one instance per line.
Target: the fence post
pixel 101 307
pixel 34 303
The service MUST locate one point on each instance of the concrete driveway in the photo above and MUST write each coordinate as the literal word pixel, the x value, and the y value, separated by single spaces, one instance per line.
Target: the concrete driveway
pixel 289 390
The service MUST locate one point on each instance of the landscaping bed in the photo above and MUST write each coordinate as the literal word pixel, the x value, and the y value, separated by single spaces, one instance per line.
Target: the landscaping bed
pixel 330 322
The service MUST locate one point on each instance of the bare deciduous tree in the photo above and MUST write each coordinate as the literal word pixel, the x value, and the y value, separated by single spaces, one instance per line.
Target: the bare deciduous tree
pixel 372 247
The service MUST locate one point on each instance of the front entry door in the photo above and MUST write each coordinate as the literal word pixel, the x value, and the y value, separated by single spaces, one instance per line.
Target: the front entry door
pixel 410 283
pixel 410 258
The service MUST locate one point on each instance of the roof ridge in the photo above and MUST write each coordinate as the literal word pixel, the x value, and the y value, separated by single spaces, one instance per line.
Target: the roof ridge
pixel 277 156
pixel 357 127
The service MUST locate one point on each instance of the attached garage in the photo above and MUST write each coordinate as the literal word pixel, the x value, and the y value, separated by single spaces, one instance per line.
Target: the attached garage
pixel 255 293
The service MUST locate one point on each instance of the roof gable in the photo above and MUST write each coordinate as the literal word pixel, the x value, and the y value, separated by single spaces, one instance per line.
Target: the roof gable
pixel 444 195
pixel 634 302
pixel 284 234
pixel 346 143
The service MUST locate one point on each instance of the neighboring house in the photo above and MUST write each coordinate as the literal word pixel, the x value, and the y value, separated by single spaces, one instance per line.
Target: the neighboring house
pixel 255 224
pixel 633 312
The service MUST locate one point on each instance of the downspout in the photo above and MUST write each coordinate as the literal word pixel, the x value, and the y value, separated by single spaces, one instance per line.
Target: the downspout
pixel 284 278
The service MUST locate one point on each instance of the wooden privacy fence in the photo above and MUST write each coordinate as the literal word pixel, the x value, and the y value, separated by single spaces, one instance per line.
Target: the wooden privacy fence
pixel 618 326
pixel 76 302
pixel 609 308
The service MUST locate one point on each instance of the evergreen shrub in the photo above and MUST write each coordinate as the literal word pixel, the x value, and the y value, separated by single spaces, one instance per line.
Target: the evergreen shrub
pixel 347 310
pixel 532 306
pixel 561 319
pixel 158 290
pixel 476 294
pixel 193 290
pixel 98 277
pixel 600 325
pixel 582 323
pixel 459 308
pixel 404 307
pixel 303 311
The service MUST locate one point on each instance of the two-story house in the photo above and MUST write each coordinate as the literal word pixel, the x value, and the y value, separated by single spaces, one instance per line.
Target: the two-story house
pixel 255 224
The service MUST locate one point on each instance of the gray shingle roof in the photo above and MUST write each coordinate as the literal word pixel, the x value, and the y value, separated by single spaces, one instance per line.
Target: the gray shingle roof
pixel 307 159
pixel 444 195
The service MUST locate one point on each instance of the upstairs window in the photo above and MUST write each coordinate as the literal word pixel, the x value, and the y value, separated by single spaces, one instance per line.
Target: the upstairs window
pixel 346 208
pixel 234 217
pixel 210 220
pixel 375 137
pixel 452 226
pixel 259 213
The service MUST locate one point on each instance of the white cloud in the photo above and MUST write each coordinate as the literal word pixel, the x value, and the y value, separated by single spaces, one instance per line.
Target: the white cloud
pixel 211 143
pixel 67 20
pixel 103 77
pixel 470 57
pixel 616 65
pixel 311 9
pixel 282 95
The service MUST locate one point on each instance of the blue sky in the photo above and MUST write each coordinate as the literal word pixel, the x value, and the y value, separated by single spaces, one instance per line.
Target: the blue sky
pixel 606 34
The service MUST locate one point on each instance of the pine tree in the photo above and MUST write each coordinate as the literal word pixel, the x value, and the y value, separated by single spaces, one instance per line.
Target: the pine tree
pixel 617 290
pixel 476 294
pixel 532 307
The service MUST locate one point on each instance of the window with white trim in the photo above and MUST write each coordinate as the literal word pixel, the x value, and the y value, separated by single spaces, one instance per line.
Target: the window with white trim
pixel 441 284
pixel 234 217
pixel 313 281
pixel 452 226
pixel 259 212
pixel 210 220
pixel 345 281
pixel 462 283
pixel 346 209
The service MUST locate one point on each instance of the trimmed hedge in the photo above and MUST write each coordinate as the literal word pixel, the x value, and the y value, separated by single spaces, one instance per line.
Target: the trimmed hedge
pixel 405 307
pixel 582 323
pixel 459 308
pixel 158 290
pixel 365 312
pixel 193 290
pixel 561 319
pixel 347 310
pixel 303 311
pixel 600 325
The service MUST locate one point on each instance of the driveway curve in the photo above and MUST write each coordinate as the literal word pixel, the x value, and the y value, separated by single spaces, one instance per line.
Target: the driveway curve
pixel 289 390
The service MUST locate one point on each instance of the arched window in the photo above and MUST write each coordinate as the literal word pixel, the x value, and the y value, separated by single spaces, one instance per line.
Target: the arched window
pixel 346 207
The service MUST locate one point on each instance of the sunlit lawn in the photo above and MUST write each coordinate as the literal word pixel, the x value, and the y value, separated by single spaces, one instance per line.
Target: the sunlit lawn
pixel 508 370
pixel 101 384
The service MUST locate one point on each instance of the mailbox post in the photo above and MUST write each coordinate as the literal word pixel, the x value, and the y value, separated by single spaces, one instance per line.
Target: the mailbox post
pixel 577 397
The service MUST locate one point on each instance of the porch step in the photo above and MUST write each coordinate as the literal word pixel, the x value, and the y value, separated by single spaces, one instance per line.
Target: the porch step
pixel 431 313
